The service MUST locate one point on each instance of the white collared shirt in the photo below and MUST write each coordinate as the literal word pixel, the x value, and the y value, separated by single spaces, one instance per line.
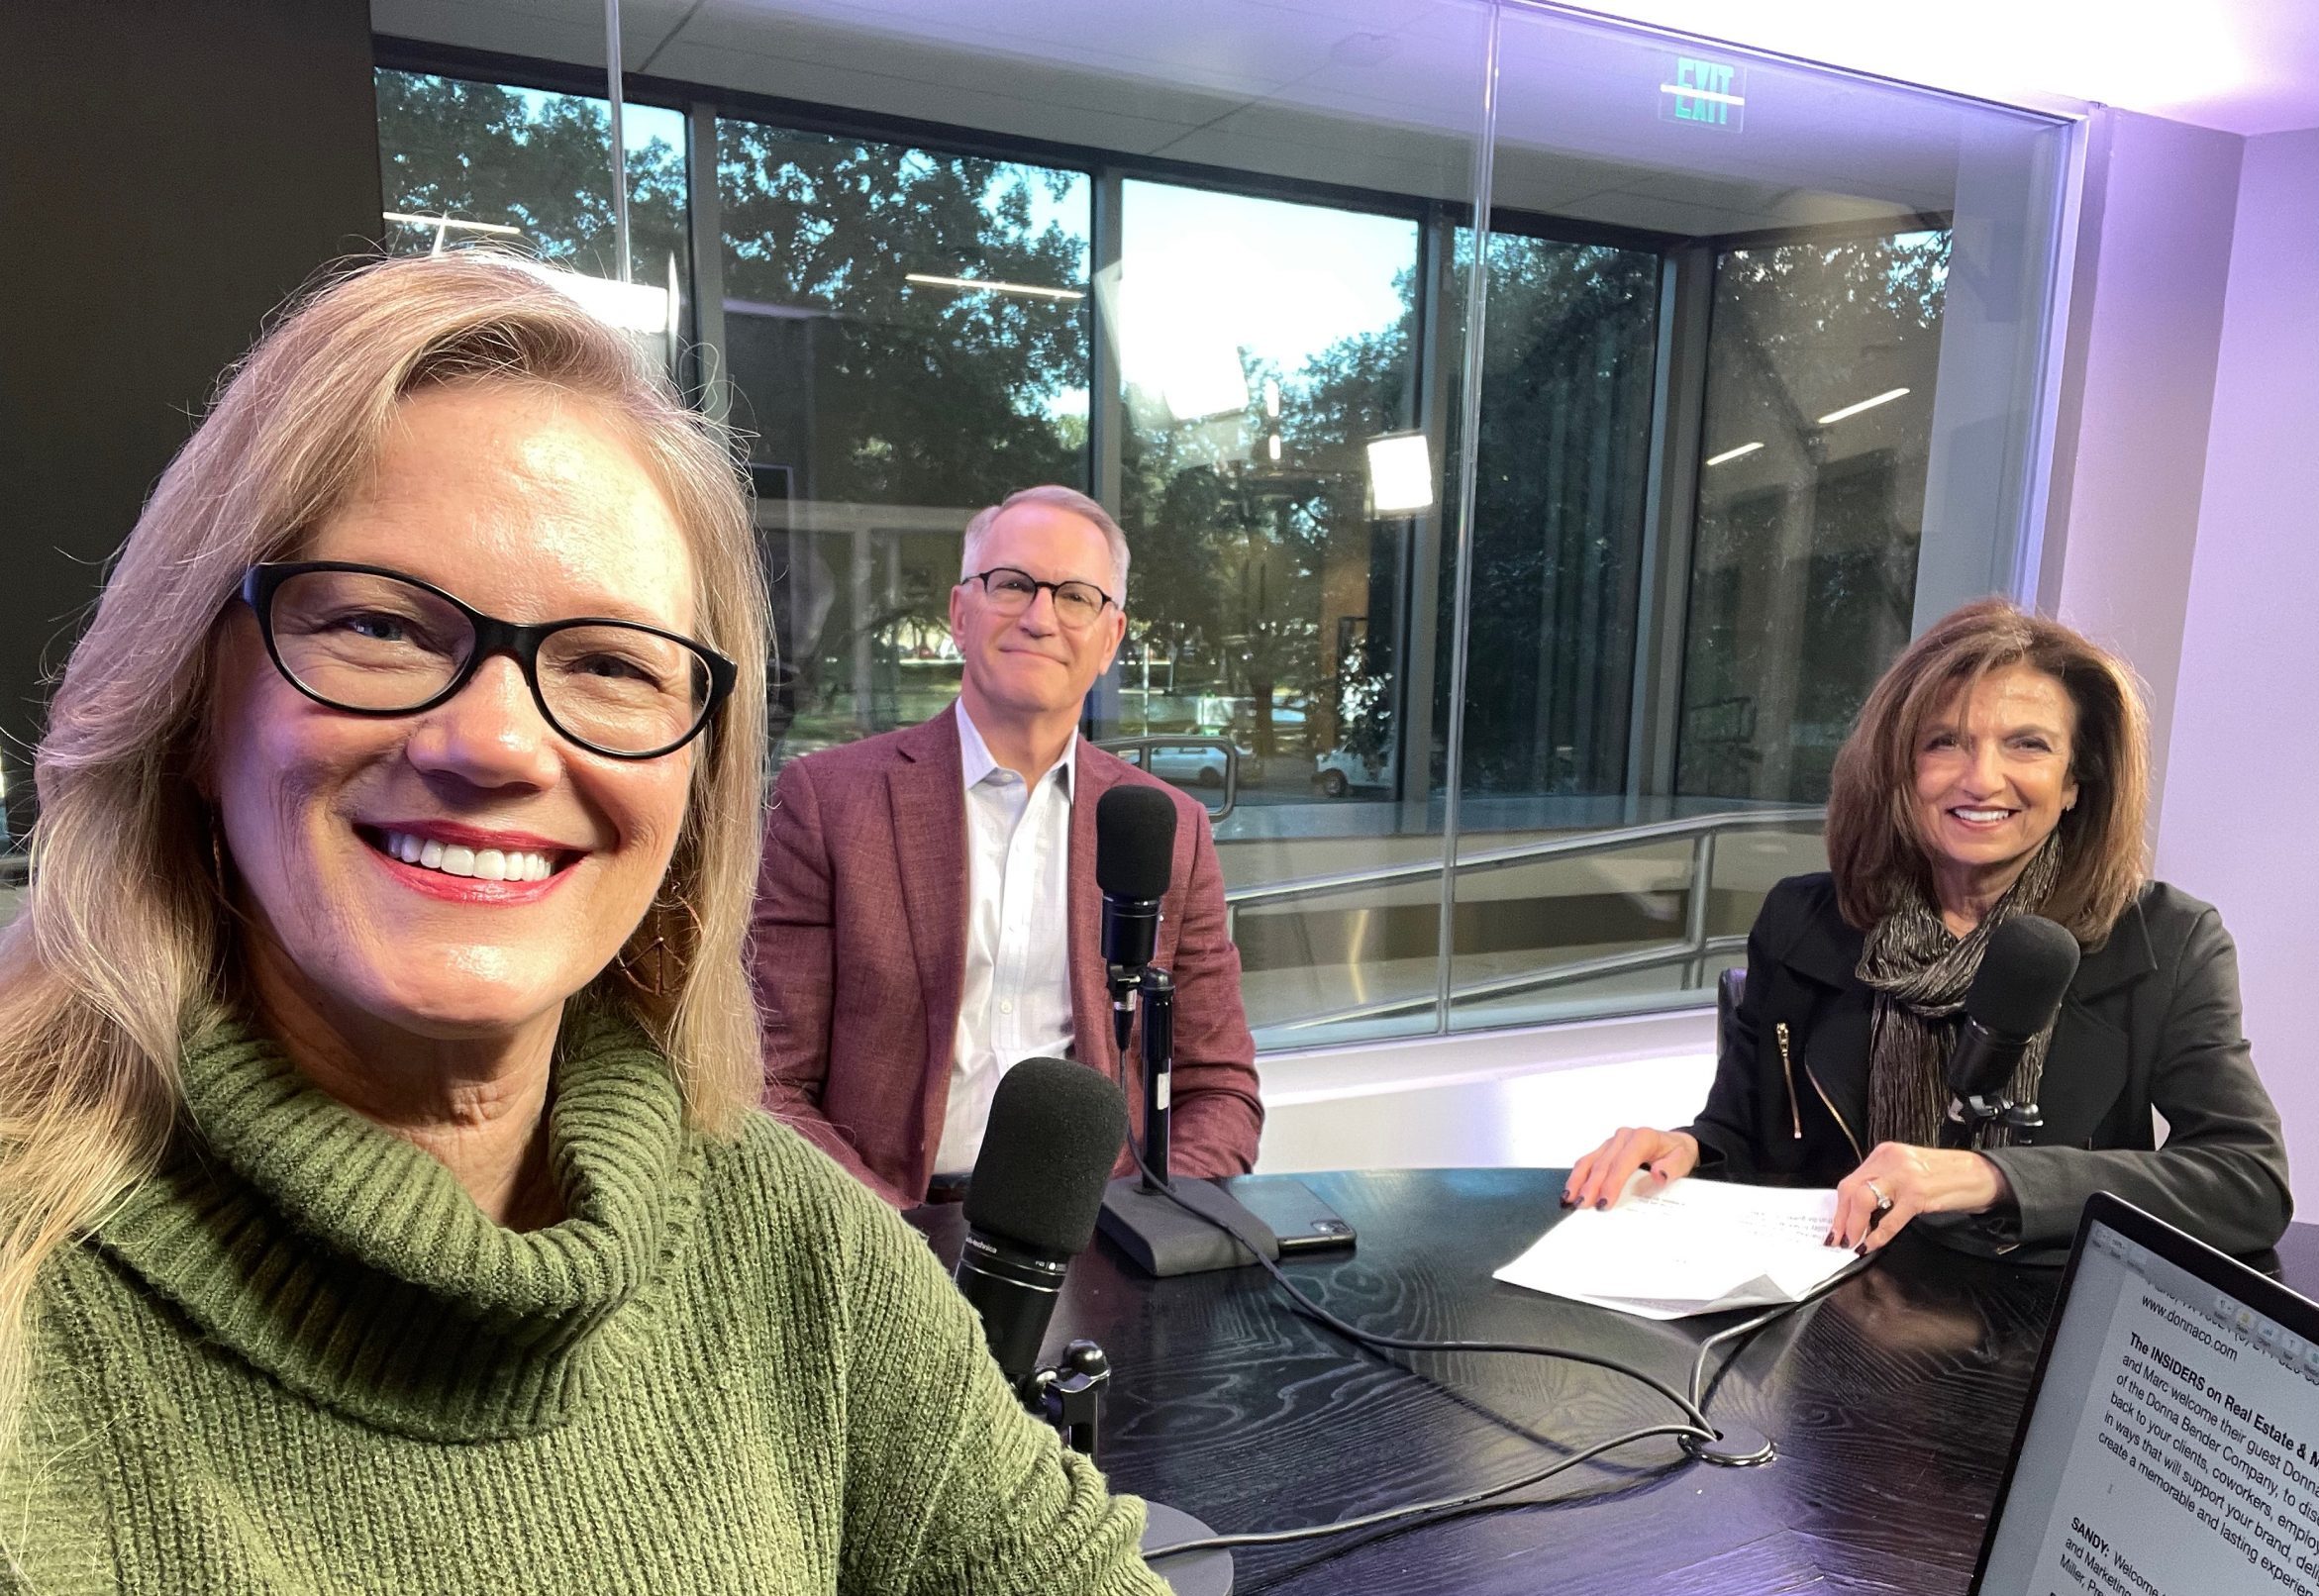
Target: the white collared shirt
pixel 1016 1003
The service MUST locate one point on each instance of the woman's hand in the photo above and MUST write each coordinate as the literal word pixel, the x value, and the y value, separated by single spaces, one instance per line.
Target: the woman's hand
pixel 1603 1173
pixel 1897 1181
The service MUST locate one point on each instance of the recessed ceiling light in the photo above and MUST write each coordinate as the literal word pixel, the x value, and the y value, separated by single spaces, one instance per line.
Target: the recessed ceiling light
pixel 1884 398
pixel 991 285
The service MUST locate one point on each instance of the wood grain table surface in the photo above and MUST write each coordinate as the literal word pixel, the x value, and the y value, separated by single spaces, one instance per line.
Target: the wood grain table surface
pixel 1892 1403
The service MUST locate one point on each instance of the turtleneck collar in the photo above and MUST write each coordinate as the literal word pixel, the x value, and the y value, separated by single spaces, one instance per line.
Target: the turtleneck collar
pixel 352 1268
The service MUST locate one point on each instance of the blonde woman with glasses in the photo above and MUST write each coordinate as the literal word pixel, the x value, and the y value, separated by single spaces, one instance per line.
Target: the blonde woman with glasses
pixel 384 1205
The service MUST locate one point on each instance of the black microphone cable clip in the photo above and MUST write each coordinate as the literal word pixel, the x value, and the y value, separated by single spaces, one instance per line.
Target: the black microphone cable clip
pixel 1969 1118
pixel 1125 985
pixel 1070 1395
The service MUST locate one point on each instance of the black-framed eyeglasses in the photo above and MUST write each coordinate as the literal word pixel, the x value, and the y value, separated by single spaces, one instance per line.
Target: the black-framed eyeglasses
pixel 1012 591
pixel 371 640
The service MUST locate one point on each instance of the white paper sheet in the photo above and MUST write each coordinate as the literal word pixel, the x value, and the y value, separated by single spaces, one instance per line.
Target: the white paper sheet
pixel 1693 1247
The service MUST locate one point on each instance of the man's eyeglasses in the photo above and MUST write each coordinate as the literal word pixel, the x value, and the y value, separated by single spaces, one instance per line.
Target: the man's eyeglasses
pixel 375 642
pixel 1078 605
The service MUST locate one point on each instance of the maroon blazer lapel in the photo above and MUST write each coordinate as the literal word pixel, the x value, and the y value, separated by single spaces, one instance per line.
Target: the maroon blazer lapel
pixel 930 849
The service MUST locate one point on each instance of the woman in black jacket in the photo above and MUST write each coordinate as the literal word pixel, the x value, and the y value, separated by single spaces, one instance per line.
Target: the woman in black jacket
pixel 2000 767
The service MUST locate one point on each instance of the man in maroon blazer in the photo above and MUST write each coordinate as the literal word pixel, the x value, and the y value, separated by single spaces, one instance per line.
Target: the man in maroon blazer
pixel 926 916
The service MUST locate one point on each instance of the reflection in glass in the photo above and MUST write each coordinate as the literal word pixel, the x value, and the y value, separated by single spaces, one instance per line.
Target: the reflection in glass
pixel 465 162
pixel 1558 530
pixel 1561 473
pixel 1821 367
pixel 906 335
pixel 1264 346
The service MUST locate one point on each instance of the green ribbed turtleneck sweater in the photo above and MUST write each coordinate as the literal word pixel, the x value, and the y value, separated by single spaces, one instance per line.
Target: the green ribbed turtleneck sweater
pixel 302 1359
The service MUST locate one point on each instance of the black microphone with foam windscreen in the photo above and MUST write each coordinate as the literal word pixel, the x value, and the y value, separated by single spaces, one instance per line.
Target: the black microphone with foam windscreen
pixel 1054 1132
pixel 2015 996
pixel 1135 854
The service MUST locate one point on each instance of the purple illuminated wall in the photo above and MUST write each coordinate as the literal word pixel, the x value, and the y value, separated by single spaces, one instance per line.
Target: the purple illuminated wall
pixel 2241 813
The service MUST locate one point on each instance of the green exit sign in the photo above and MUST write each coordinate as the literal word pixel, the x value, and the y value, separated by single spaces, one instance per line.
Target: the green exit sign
pixel 1710 94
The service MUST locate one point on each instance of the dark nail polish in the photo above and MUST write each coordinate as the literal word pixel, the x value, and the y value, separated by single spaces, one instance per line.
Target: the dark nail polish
pixel 1601 1203
pixel 1828 1239
pixel 1567 1199
pixel 1861 1250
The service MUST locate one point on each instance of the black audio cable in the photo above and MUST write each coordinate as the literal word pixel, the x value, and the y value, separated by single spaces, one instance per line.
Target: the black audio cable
pixel 1405 1343
pixel 1445 1508
pixel 1695 1428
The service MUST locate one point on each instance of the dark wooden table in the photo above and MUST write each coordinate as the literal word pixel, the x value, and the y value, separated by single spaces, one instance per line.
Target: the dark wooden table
pixel 1892 1403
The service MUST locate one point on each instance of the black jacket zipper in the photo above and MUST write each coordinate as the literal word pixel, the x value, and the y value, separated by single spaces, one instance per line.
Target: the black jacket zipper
pixel 1857 1155
pixel 1796 1113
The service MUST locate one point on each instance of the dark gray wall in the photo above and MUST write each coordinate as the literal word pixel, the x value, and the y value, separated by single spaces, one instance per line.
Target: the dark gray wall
pixel 171 170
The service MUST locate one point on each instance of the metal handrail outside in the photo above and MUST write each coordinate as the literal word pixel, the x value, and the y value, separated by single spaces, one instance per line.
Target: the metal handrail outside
pixel 1578 969
pixel 1580 846
pixel 1695 949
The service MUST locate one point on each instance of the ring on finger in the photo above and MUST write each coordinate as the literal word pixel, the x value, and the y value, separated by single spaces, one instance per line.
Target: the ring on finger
pixel 1884 1202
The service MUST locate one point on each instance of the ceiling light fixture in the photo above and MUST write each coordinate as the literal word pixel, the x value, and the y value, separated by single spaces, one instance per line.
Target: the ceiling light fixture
pixel 1735 453
pixel 992 285
pixel 444 224
pixel 495 229
pixel 1884 398
pixel 632 307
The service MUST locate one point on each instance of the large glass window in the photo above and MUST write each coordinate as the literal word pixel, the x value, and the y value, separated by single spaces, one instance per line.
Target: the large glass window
pixel 905 332
pixel 1561 474
pixel 1263 347
pixel 1267 352
pixel 1814 446
pixel 1741 423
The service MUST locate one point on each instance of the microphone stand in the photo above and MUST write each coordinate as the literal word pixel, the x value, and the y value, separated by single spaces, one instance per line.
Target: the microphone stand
pixel 1069 1398
pixel 1141 1213
pixel 1970 1120
pixel 1157 994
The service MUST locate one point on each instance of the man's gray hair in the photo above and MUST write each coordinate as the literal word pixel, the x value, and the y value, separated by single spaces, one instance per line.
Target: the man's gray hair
pixel 1057 497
